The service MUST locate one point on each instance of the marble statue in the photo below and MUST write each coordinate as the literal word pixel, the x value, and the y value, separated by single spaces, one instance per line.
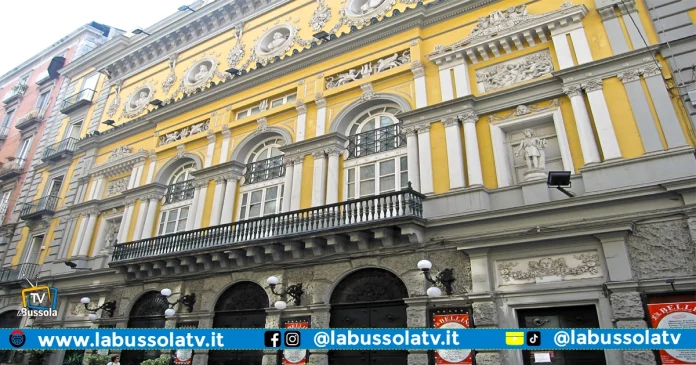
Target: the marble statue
pixel 111 233
pixel 533 150
pixel 141 100
pixel 370 5
pixel 202 73
pixel 278 40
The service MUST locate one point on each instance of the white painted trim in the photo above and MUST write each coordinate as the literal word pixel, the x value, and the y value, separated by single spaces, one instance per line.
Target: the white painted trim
pixel 580 45
pixel 262 184
pixel 374 157
pixel 446 87
pixel 565 58
pixel 461 79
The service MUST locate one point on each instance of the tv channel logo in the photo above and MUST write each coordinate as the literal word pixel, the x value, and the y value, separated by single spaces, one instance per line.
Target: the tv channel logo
pixel 39 301
pixel 17 338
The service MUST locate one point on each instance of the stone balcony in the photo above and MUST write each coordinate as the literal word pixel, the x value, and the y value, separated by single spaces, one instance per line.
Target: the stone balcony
pixel 384 220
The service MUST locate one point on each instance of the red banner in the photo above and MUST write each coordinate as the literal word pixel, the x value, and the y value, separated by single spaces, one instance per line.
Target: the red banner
pixel 674 315
pixel 295 357
pixel 452 357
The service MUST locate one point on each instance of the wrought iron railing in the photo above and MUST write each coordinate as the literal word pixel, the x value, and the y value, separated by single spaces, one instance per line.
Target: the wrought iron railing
pixel 4 131
pixel 398 204
pixel 12 166
pixel 374 141
pixel 83 95
pixel 18 272
pixel 66 145
pixel 180 191
pixel 263 170
pixel 45 204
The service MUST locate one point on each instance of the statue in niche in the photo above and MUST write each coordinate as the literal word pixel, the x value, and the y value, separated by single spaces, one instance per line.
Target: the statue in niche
pixel 202 73
pixel 142 100
pixel 111 234
pixel 533 150
pixel 370 5
pixel 278 40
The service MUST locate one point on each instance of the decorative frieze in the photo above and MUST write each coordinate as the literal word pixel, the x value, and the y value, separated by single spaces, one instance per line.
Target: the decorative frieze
pixel 370 68
pixel 237 52
pixel 182 133
pixel 119 153
pixel 554 268
pixel 468 117
pixel 116 186
pixel 514 71
pixel 113 107
pixel 592 85
pixel 572 90
pixel 321 15
pixel 526 109
pixel 630 75
pixel 450 121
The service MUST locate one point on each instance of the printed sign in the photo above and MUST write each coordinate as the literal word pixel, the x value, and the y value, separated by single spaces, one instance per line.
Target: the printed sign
pixel 183 356
pixel 452 357
pixel 674 315
pixel 295 357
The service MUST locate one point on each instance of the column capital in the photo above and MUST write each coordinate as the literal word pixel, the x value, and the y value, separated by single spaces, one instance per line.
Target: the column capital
pixel 607 12
pixel 423 128
pixel 319 154
pixel 334 152
pixel 130 202
pixel 629 75
pixel 450 121
pixel 153 197
pixel 211 136
pixel 319 99
pixel 592 85
pixel 232 177
pixel 220 180
pixel 651 70
pixel 469 117
pixel 226 133
pixel 627 6
pixel 410 131
pixel 200 183
pixel 572 90
pixel 92 212
pixel 417 69
pixel 300 106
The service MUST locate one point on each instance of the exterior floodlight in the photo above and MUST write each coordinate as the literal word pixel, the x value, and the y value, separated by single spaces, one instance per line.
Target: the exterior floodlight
pixel 560 180
pixel 109 122
pixel 156 102
pixel 137 31
pixel 233 71
pixel 321 35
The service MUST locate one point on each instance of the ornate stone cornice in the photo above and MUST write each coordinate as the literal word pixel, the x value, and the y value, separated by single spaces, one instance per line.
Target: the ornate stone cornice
pixel 423 128
pixel 300 106
pixel 332 151
pixel 233 168
pixel 410 131
pixel 629 75
pixel 120 166
pixel 651 70
pixel 417 69
pixel 226 132
pixel 592 85
pixel 319 99
pixel 310 146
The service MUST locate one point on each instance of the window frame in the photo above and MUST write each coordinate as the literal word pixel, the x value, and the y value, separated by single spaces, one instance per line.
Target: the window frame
pixel 7 121
pixel 399 184
pixel 165 213
pixel 25 142
pixel 263 188
pixel 51 183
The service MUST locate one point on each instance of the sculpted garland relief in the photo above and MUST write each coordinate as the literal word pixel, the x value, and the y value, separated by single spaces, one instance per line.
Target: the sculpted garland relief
pixel 116 186
pixel 368 69
pixel 514 71
pixel 551 269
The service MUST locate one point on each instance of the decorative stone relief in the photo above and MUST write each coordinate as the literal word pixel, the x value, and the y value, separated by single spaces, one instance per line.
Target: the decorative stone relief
pixel 639 357
pixel 237 52
pixel 119 153
pixel 116 186
pixel 661 249
pixel 262 126
pixel 552 268
pixel 525 110
pixel 137 101
pixel 275 42
pixel 321 15
pixel 592 85
pixel 514 71
pixel 169 81
pixel 359 12
pixel 200 73
pixel 630 75
pixel 534 154
pixel 113 107
pixel 111 233
pixel 370 68
pixel 182 133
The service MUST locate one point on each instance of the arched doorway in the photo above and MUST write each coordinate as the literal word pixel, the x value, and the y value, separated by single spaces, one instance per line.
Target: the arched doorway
pixel 243 305
pixel 147 312
pixel 9 319
pixel 369 298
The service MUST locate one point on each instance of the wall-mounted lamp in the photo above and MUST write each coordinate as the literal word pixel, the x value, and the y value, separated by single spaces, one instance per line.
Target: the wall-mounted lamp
pixel 444 278
pixel 186 7
pixel 109 122
pixel 233 71
pixel 73 266
pixel 560 180
pixel 294 291
pixel 156 102
pixel 187 301
pixel 322 36
pixel 108 307
pixel 137 31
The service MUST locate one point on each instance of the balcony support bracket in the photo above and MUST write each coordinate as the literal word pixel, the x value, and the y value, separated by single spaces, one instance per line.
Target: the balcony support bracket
pixel 296 248
pixel 362 239
pixel 340 243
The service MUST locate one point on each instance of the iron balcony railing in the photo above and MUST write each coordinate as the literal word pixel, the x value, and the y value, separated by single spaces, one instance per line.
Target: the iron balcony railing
pixel 375 141
pixel 67 145
pixel 263 170
pixel 46 204
pixel 4 131
pixel 398 204
pixel 83 97
pixel 18 272
pixel 180 191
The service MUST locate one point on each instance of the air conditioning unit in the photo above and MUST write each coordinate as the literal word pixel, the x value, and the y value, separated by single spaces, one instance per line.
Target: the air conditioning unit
pixel 692 96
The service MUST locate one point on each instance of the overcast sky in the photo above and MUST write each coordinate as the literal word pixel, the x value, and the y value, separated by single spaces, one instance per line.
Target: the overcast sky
pixel 29 26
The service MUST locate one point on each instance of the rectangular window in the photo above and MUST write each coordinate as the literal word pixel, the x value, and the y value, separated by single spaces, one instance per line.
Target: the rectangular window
pixel 54 186
pixel 7 118
pixel 283 100
pixel 34 250
pixel 404 172
pixel 4 202
pixel 42 100
pixel 23 151
pixel 377 178
pixel 261 202
pixel 173 220
pixel 73 130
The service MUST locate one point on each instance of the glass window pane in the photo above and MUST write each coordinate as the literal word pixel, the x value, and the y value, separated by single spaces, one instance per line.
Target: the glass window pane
pixel 277 102
pixel 386 167
pixel 368 126
pixel 291 98
pixel 271 193
pixel 256 196
pixel 404 164
pixel 351 176
pixel 254 210
pixel 173 214
pixel 385 121
pixel 367 172
pixel 404 180
pixel 386 183
pixel 255 110
pixel 269 207
pixel 367 187
pixel 184 213
pixel 351 191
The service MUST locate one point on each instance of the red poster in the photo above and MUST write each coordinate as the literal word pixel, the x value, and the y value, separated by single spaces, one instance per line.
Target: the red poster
pixel 295 357
pixel 451 357
pixel 674 315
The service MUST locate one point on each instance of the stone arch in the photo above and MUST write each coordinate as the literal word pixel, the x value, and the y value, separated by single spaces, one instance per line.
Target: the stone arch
pixel 171 165
pixel 255 298
pixel 351 111
pixel 147 301
pixel 10 319
pixel 250 141
pixel 365 283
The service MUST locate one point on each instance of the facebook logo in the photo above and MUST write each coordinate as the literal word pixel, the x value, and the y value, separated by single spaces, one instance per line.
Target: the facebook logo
pixel 272 339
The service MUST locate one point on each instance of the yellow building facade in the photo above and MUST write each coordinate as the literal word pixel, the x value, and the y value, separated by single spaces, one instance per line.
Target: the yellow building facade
pixel 336 144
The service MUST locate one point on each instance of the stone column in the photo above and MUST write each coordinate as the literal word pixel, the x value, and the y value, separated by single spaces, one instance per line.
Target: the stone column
pixel 125 221
pixel 664 107
pixel 416 317
pixel 80 235
pixel 461 79
pixel 590 153
pixel 151 167
pixel 96 189
pixel 287 183
pixel 89 231
pixel 473 159
pixel 101 237
pixel 455 160
pixel 218 199
pixel 446 87
pixel 629 313
pixel 230 194
pixel 612 26
pixel 200 204
pixel 633 24
pixel 296 191
pixel 560 43
pixel 321 114
pixel 486 316
pixel 211 149
pixel 319 179
pixel 140 219
pixel 332 182
pixel 131 180
pixel 139 167
pixel 580 45
pixel 301 120
pixel 641 110
pixel 425 162
pixel 412 153
pixel 419 82
pixel 150 216
pixel 191 220
pixel 602 119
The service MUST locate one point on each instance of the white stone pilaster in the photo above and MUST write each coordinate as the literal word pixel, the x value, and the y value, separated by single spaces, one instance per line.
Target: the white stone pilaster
pixel 80 235
pixel 125 222
pixel 131 179
pixel 671 128
pixel 461 79
pixel 412 157
pixel 319 179
pixel 321 115
pixel 151 168
pixel 455 161
pixel 580 45
pixel 225 149
pixel 602 119
pixel 296 194
pixel 200 206
pixel 425 159
pixel 89 231
pixel 218 199
pixel 101 237
pixel 473 159
pixel 301 120
pixel 211 149
pixel 191 220
pixel 419 83
pixel 230 194
pixel 150 217
pixel 138 174
pixel 287 183
pixel 140 219
pixel 332 177
pixel 565 57
pixel 590 153
pixel 446 87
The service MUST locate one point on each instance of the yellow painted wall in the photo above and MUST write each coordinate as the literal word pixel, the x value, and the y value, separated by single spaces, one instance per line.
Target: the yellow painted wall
pixel 622 118
pixel 307 179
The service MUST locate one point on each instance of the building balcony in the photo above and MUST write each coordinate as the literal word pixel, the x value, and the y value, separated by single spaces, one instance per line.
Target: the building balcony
pixel 14 93
pixel 263 170
pixel 385 219
pixel 375 141
pixel 12 168
pixel 77 101
pixel 179 192
pixel 38 208
pixel 4 131
pixel 18 273
pixel 60 150
pixel 29 119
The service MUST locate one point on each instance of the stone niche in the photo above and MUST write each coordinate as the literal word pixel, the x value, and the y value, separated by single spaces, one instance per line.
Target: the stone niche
pixel 200 73
pixel 535 146
pixel 139 99
pixel 276 41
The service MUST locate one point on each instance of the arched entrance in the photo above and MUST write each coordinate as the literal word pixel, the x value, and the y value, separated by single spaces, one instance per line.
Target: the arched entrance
pixel 147 312
pixel 369 298
pixel 243 305
pixel 9 319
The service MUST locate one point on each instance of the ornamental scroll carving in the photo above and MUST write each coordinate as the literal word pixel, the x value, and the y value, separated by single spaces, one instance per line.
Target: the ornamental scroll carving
pixel 553 268
pixel 237 52
pixel 511 72
pixel 119 153
pixel 169 81
pixel 182 133
pixel 322 14
pixel 116 186
pixel 113 107
pixel 371 68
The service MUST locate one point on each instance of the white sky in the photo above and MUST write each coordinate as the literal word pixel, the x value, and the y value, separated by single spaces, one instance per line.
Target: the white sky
pixel 29 26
